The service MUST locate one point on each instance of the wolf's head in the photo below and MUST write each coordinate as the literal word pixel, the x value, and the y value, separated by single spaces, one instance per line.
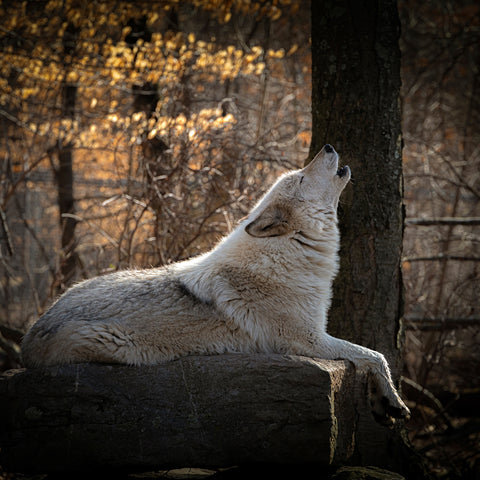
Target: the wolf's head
pixel 302 203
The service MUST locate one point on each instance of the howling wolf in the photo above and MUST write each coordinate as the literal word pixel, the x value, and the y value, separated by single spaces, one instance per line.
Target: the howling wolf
pixel 266 287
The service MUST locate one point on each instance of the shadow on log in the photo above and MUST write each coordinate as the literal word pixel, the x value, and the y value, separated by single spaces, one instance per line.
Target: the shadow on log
pixel 203 411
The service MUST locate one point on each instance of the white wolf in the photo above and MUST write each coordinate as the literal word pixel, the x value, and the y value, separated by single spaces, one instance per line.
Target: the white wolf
pixel 265 288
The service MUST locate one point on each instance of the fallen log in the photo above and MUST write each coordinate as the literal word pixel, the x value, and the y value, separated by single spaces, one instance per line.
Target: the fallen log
pixel 205 411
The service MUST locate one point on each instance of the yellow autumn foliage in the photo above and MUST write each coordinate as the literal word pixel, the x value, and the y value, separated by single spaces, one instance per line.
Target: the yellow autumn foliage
pixel 91 47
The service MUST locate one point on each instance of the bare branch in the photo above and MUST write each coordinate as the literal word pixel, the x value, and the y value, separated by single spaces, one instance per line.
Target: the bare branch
pixel 440 257
pixel 440 323
pixel 443 221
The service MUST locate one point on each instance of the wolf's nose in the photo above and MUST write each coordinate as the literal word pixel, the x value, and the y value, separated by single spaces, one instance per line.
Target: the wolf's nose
pixel 328 148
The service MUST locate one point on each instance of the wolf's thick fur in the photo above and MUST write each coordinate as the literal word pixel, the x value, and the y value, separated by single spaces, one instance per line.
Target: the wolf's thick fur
pixel 265 288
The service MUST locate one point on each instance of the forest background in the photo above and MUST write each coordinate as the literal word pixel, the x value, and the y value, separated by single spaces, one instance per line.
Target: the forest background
pixel 135 134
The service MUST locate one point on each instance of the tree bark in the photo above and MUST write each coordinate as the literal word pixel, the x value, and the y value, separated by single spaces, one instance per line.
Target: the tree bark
pixel 355 107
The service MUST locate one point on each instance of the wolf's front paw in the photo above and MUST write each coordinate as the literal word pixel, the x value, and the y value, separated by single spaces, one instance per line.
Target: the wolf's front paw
pixel 386 406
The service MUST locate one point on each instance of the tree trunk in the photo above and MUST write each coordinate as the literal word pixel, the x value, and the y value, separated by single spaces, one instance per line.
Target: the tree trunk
pixel 355 107
pixel 66 205
pixel 64 173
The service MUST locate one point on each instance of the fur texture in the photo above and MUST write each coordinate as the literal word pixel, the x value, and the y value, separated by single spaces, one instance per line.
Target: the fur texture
pixel 265 288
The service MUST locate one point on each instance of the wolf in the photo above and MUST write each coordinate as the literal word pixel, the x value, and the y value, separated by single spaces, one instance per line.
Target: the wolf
pixel 265 288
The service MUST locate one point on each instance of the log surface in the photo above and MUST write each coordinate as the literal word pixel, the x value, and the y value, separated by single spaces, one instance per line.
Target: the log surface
pixel 205 411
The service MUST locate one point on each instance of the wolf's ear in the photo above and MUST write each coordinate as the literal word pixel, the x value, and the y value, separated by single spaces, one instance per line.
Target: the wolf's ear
pixel 272 222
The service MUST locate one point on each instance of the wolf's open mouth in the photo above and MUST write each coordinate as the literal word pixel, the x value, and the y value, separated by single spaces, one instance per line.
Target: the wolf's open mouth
pixel 341 172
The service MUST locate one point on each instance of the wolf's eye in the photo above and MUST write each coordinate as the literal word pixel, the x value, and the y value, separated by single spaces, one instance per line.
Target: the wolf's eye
pixel 301 179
